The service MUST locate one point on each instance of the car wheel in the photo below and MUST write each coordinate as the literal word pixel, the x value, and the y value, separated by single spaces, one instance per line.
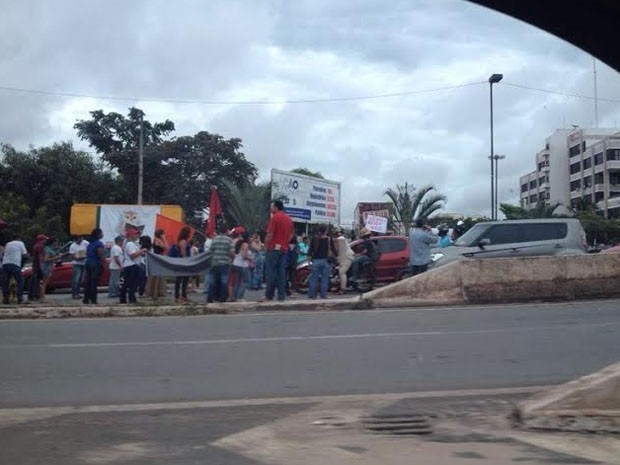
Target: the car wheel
pixel 404 274
pixel 302 280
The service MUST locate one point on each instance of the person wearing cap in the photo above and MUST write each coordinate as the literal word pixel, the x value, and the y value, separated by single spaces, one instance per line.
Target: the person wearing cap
pixel 116 266
pixel 131 266
pixel 14 254
pixel 77 250
pixel 37 274
pixel 366 253
pixel 95 261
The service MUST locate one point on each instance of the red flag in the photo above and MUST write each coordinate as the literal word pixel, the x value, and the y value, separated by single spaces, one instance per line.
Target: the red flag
pixel 215 210
pixel 171 228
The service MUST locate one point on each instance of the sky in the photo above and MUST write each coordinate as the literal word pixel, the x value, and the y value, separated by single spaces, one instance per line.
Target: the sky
pixel 437 55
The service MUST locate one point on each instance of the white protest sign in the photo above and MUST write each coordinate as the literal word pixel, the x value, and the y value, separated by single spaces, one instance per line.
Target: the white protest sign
pixel 377 223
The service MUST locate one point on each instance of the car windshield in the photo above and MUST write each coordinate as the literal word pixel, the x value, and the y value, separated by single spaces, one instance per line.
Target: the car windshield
pixel 468 239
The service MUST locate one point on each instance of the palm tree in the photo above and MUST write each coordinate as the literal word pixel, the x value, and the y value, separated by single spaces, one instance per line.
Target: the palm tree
pixel 542 210
pixel 247 205
pixel 411 204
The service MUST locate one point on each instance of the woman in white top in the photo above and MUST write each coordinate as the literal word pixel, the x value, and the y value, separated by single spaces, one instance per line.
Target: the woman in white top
pixel 241 265
pixel 345 258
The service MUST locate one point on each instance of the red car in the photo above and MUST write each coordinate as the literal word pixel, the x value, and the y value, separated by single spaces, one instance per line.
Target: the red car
pixel 62 273
pixel 394 256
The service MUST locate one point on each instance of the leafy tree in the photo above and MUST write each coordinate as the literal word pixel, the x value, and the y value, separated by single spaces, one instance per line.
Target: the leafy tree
pixel 54 178
pixel 176 171
pixel 411 204
pixel 16 212
pixel 307 172
pixel 195 163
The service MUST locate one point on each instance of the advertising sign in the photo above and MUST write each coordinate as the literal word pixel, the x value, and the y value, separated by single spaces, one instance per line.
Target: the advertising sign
pixel 377 224
pixel 305 198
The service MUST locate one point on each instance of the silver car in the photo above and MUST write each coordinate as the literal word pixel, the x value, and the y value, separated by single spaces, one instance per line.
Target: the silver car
pixel 515 238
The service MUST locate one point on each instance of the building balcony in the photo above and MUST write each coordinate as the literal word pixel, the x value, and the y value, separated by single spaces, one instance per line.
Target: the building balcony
pixel 575 176
pixel 613 165
pixel 613 202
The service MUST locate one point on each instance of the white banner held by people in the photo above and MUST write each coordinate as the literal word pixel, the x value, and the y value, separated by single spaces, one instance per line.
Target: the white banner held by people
pixel 377 224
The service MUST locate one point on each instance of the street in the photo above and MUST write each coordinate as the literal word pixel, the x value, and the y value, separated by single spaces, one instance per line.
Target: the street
pixel 144 360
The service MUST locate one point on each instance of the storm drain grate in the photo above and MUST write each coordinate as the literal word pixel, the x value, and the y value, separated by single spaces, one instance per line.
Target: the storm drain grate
pixel 400 424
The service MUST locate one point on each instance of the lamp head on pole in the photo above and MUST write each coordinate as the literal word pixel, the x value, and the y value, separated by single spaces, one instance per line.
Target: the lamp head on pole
pixel 495 78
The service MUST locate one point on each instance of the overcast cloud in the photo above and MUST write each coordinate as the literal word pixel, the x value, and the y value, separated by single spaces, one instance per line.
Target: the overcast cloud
pixel 270 50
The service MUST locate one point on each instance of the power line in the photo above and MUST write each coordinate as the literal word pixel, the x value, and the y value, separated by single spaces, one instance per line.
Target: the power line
pixel 237 102
pixel 557 92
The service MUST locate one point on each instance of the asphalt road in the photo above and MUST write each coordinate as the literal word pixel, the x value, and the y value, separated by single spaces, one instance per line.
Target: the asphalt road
pixel 105 361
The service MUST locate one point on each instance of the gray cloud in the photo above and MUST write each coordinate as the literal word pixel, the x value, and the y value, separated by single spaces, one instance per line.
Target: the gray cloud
pixel 274 51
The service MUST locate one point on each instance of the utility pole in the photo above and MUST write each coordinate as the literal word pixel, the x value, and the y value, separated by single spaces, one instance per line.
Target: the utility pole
pixel 141 160
pixel 595 94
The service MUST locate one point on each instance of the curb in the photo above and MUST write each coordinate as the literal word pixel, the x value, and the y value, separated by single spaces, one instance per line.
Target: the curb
pixel 587 404
pixel 141 310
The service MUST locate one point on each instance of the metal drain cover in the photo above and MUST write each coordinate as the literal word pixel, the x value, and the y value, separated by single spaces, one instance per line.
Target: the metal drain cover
pixel 400 424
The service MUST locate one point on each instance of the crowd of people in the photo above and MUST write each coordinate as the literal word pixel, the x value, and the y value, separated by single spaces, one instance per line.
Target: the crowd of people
pixel 237 260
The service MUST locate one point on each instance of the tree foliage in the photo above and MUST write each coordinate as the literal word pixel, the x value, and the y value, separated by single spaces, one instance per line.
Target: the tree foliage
pixel 542 210
pixel 411 204
pixel 176 171
pixel 42 184
pixel 247 205
pixel 307 172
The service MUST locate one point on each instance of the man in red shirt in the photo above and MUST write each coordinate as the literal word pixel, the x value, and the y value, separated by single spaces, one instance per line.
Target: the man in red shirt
pixel 279 233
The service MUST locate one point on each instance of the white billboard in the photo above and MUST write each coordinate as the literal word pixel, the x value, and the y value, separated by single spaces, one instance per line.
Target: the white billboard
pixel 305 198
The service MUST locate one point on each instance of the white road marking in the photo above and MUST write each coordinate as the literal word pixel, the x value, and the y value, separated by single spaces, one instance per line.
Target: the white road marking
pixel 9 413
pixel 82 345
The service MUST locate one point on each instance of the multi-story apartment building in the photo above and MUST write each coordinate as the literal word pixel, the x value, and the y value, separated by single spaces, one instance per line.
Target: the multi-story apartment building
pixel 576 164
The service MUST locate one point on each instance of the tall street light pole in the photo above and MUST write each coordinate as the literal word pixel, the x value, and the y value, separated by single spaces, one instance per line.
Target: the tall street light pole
pixel 497 158
pixel 141 160
pixel 494 79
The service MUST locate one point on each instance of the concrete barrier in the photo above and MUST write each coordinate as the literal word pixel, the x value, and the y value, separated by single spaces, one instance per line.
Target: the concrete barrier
pixel 590 403
pixel 509 280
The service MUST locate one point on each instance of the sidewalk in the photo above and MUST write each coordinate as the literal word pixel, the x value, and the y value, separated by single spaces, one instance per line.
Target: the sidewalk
pixel 466 429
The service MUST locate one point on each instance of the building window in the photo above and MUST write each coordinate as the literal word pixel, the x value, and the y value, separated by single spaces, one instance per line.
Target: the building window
pixel 524 187
pixel 599 179
pixel 574 150
pixel 613 154
pixel 533 198
pixel 583 146
pixel 542 196
pixel 575 168
pixel 587 163
pixel 599 196
pixel 533 184
pixel 614 179
pixel 598 158
pixel 575 185
pixel 587 181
